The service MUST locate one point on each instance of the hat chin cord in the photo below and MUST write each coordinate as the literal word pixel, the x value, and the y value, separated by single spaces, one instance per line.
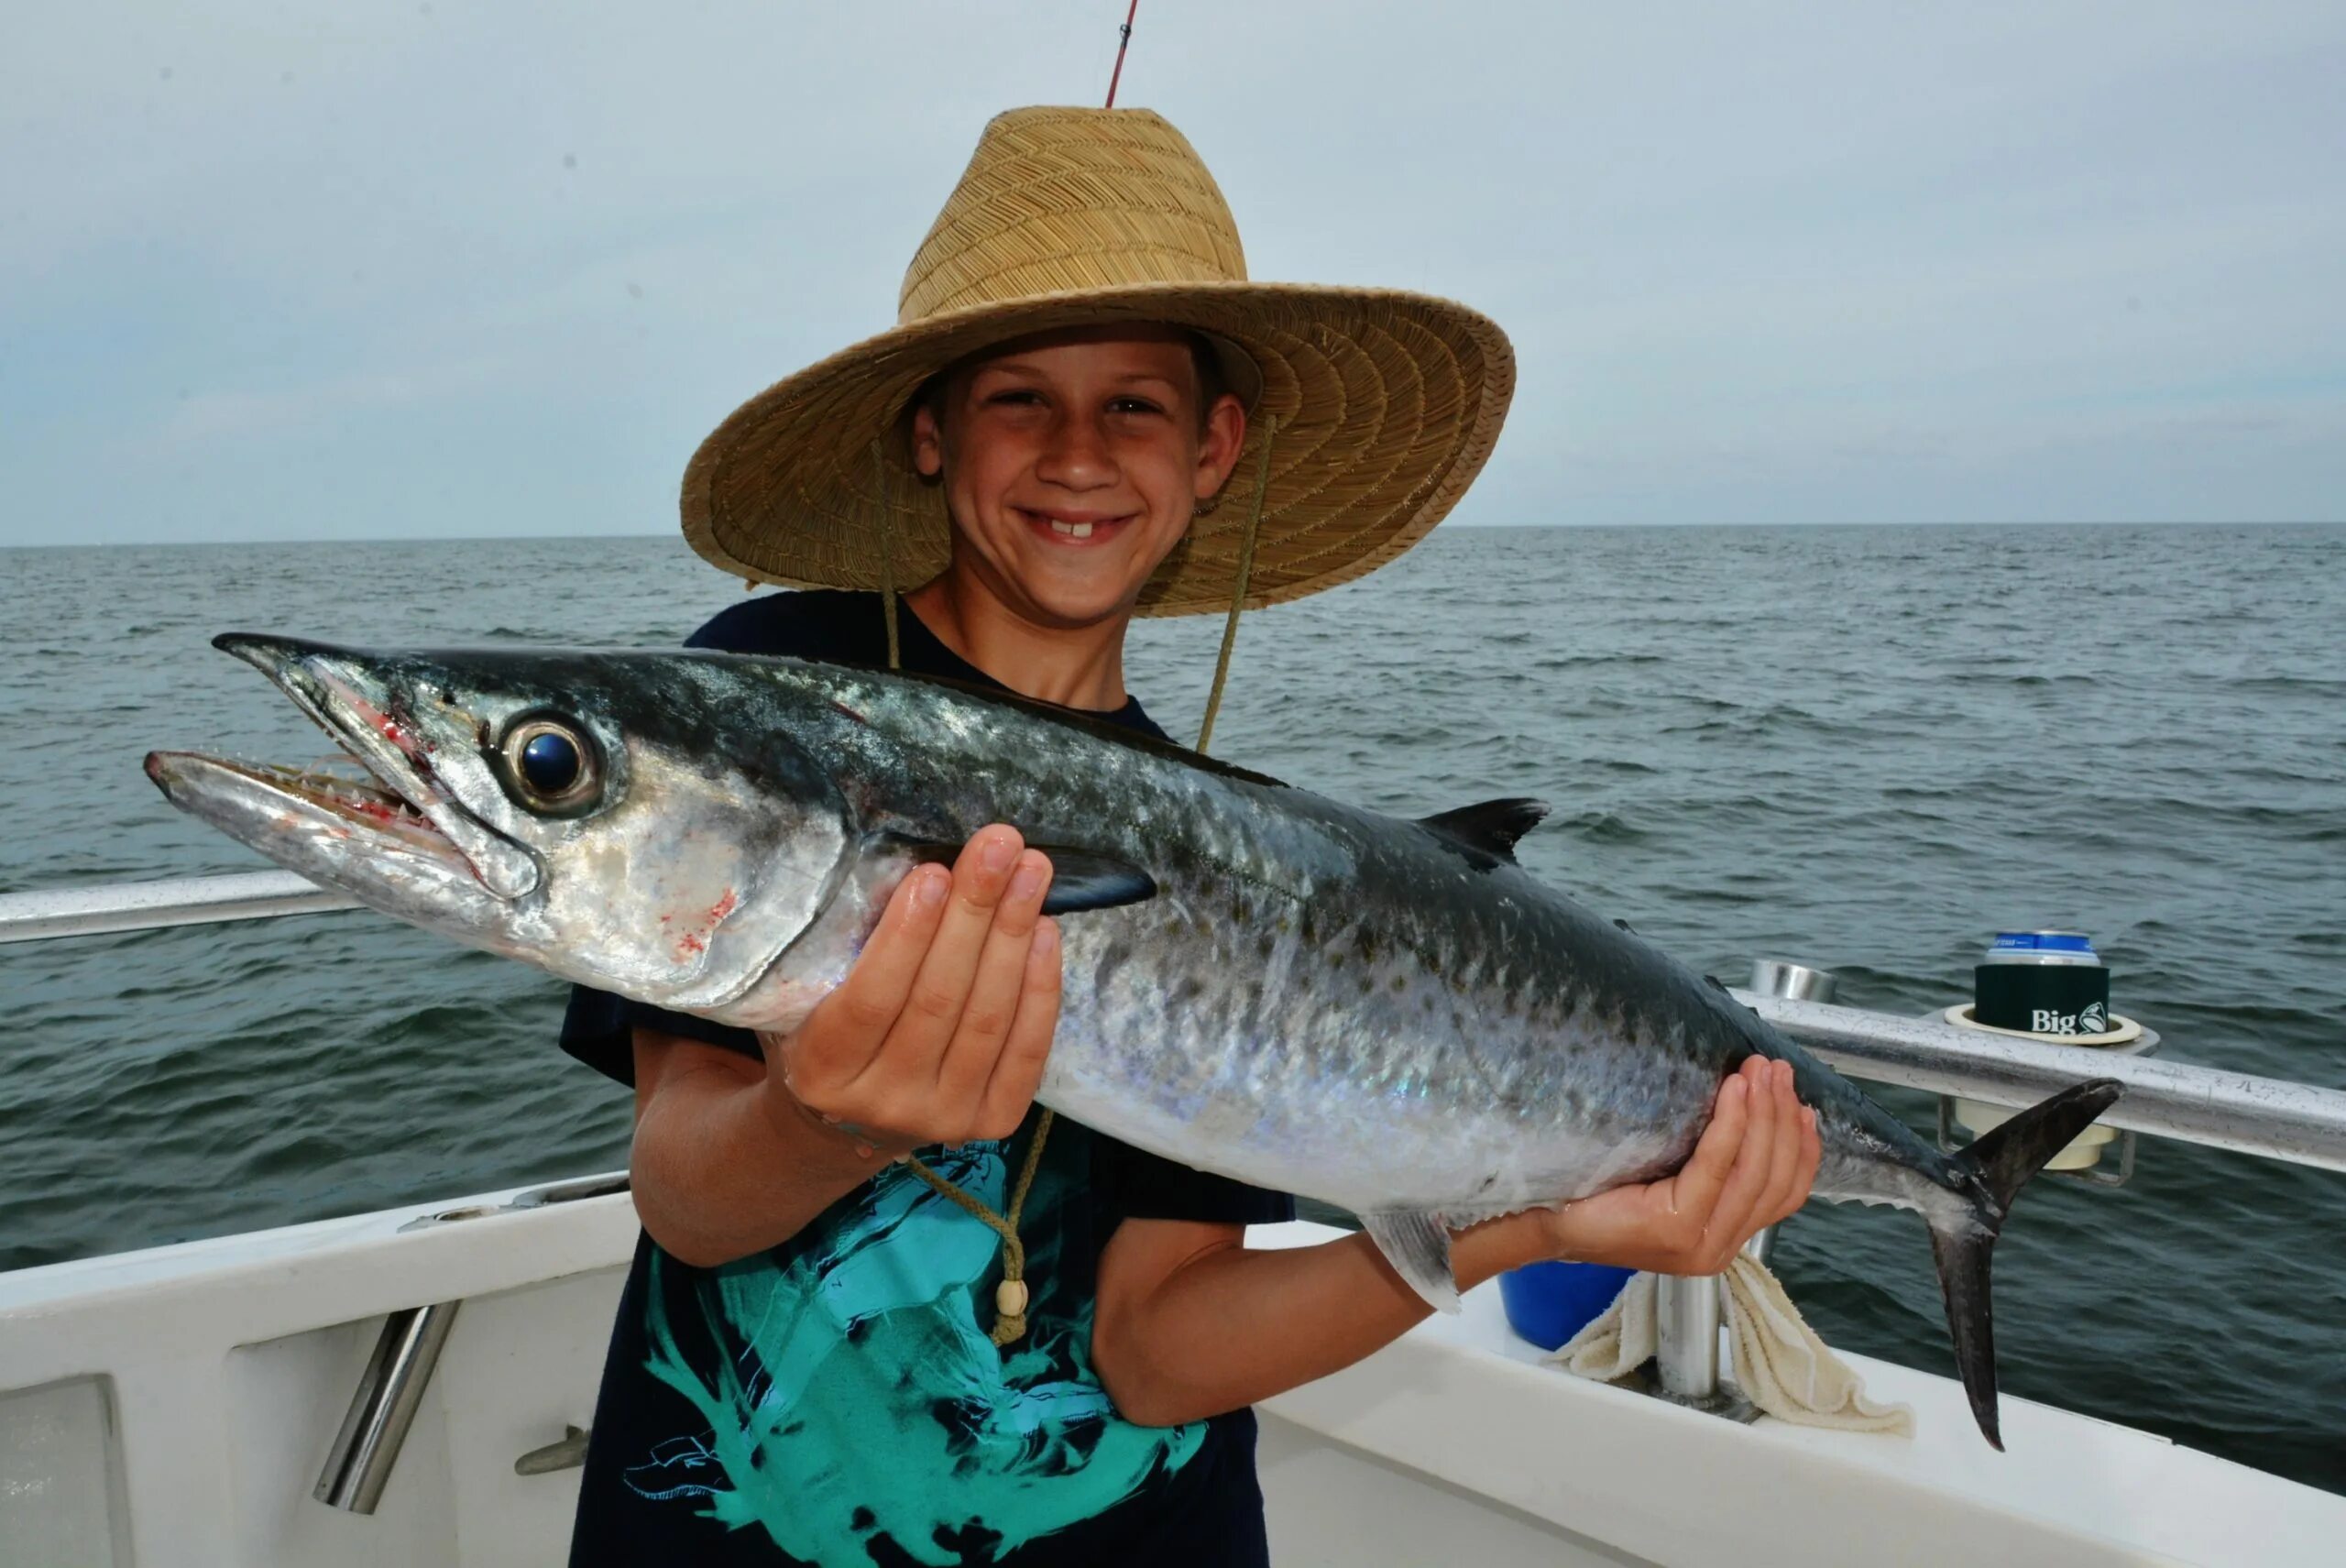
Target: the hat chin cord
pixel 1245 572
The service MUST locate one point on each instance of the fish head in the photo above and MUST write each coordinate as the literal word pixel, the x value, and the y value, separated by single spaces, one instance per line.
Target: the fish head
pixel 610 817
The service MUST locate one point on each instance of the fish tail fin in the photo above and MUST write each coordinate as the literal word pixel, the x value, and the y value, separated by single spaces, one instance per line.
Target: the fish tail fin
pixel 1994 1169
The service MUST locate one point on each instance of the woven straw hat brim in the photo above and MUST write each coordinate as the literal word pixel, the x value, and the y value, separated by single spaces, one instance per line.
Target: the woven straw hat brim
pixel 1387 404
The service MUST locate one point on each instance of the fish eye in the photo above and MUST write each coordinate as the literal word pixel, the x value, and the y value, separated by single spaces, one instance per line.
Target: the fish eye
pixel 550 761
pixel 552 764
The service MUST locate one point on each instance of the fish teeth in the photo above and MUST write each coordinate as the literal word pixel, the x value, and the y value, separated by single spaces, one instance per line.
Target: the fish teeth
pixel 1073 530
pixel 345 780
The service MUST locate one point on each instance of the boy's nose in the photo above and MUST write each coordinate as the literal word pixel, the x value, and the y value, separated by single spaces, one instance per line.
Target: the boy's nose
pixel 1077 457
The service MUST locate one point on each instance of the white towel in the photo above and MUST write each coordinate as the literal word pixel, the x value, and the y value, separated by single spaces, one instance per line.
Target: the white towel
pixel 1780 1364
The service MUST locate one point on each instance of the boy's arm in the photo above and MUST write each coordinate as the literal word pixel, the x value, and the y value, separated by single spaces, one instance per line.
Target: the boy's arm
pixel 1190 1323
pixel 938 1035
pixel 717 1175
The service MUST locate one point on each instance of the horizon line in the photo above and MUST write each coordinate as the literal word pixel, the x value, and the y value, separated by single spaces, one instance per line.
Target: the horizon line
pixel 137 543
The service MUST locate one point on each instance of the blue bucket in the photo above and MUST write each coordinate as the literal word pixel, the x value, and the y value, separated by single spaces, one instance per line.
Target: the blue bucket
pixel 1547 1303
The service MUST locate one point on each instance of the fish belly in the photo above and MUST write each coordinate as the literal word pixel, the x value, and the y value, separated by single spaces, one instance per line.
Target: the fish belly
pixel 1373 1082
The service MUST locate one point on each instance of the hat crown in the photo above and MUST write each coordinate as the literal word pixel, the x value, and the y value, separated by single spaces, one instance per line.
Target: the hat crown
pixel 1058 200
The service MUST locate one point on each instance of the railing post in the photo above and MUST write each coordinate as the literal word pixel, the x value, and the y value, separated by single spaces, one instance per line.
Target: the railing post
pixel 1687 1314
pixel 1797 983
pixel 390 1391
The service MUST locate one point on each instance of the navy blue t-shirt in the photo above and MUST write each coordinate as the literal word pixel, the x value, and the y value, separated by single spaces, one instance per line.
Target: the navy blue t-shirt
pixel 836 1401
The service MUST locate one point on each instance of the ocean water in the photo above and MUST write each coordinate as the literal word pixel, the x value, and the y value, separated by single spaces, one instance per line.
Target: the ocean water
pixel 1863 748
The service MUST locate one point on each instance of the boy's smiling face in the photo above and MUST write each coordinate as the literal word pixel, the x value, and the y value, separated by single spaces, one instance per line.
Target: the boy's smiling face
pixel 1072 463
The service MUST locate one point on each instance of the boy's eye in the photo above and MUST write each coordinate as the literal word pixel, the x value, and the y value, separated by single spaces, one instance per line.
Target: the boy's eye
pixel 1016 397
pixel 1132 405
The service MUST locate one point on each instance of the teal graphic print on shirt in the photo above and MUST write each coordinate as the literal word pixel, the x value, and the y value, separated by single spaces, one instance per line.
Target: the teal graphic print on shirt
pixel 858 1395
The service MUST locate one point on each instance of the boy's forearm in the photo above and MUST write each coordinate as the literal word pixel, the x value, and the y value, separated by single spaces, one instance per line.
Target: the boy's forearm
pixel 719 1175
pixel 1234 1326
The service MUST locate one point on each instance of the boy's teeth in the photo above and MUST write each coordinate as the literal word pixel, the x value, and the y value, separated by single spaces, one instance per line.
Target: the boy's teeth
pixel 1073 530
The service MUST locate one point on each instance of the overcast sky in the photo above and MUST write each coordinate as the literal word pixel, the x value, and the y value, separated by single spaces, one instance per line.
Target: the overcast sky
pixel 278 269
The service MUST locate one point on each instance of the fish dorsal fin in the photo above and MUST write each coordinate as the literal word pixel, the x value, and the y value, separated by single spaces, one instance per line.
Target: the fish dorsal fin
pixel 1490 827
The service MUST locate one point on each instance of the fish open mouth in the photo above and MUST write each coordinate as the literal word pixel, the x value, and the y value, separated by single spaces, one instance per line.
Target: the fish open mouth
pixel 319 820
pixel 340 785
pixel 382 793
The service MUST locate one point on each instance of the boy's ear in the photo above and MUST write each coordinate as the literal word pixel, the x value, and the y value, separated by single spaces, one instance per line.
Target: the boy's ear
pixel 928 443
pixel 1225 432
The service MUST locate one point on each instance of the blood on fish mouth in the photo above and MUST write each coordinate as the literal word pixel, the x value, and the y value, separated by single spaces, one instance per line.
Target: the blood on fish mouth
pixel 363 800
pixel 349 785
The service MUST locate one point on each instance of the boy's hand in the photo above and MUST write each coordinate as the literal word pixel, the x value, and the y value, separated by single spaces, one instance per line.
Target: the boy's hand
pixel 939 1032
pixel 1752 1167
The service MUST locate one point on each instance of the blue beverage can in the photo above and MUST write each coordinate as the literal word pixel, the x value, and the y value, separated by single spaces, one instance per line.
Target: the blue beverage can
pixel 2043 982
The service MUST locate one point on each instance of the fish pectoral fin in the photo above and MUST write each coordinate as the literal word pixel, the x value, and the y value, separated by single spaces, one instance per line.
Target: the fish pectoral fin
pixel 1084 879
pixel 1417 1246
pixel 1081 879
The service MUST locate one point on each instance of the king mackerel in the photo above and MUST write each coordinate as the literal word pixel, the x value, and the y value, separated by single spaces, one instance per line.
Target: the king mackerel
pixel 1387 1014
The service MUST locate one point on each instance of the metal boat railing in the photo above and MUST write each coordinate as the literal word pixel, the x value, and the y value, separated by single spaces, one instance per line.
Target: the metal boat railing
pixel 146 905
pixel 2271 1118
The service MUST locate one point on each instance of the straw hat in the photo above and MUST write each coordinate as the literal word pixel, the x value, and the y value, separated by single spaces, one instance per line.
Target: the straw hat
pixel 1386 403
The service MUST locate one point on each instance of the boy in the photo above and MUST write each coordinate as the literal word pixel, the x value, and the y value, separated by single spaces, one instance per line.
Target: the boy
pixel 885 1311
